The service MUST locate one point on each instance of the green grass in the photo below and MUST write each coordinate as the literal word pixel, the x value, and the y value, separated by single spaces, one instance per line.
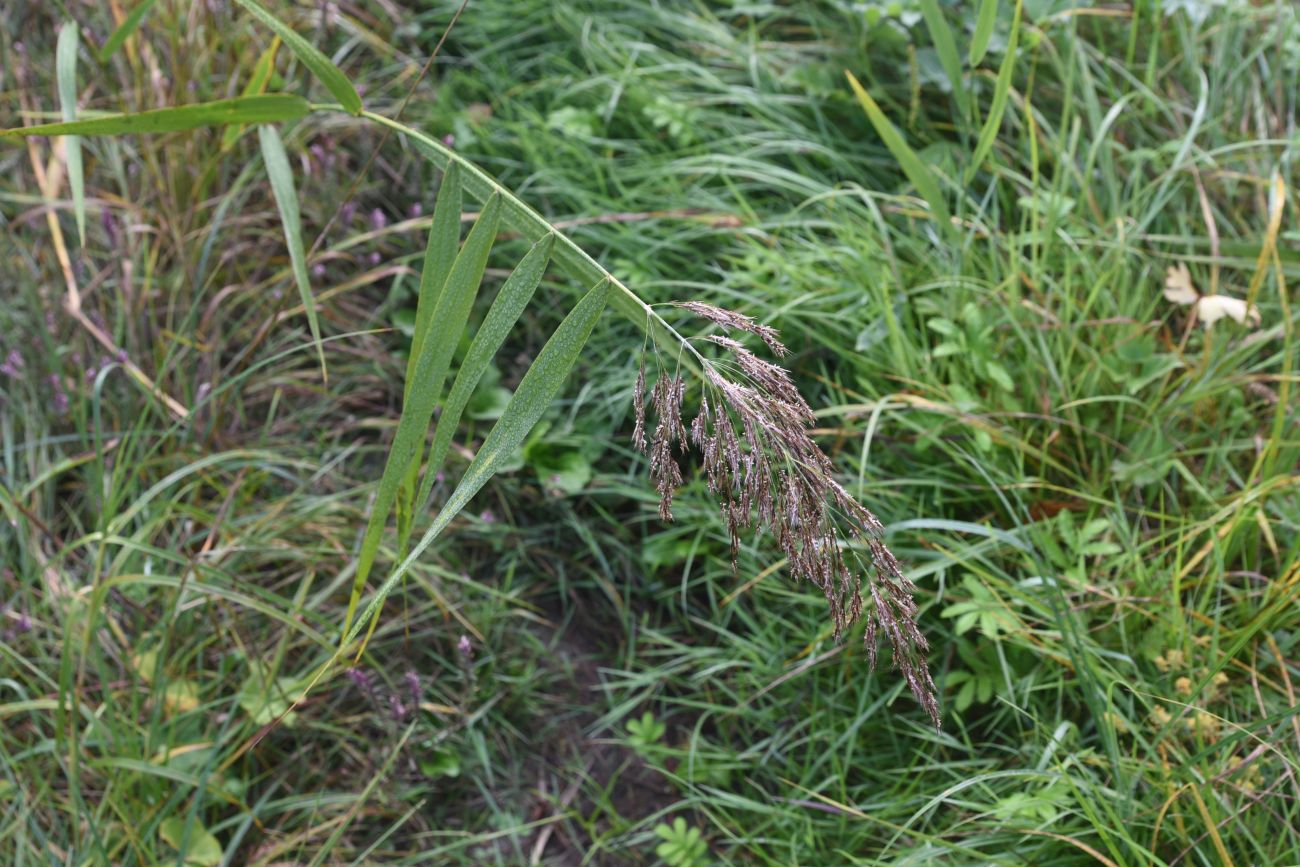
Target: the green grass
pixel 1097 498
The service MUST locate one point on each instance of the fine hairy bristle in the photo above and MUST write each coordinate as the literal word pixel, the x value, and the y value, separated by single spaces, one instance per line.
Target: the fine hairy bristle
pixel 752 431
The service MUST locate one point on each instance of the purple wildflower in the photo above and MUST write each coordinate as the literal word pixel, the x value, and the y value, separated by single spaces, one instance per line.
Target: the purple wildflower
pixel 449 140
pixel 57 394
pixel 348 212
pixel 414 689
pixel 466 649
pixel 378 219
pixel 13 365
pixel 488 516
pixel 374 258
pixel 415 210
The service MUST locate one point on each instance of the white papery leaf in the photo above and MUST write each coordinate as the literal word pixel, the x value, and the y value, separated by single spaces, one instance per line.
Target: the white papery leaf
pixel 1212 308
pixel 1178 285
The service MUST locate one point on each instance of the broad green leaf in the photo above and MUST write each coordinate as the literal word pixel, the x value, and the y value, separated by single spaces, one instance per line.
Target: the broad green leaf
pixel 989 132
pixel 439 254
pixel 506 309
pixel 312 57
pixel 128 26
pixel 541 383
pixel 286 199
pixel 455 301
pixel 946 47
pixel 201 849
pixel 979 42
pixel 257 82
pixel 911 164
pixel 269 108
pixel 65 66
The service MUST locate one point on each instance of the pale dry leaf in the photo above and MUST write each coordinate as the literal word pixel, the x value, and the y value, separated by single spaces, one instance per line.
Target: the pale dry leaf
pixel 1212 308
pixel 1178 285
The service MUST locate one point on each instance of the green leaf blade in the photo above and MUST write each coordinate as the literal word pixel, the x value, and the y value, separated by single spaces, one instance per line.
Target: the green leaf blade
pixel 65 64
pixel 268 108
pixel 451 315
pixel 993 123
pixel 312 57
pixel 505 312
pixel 439 255
pixel 540 384
pixel 979 43
pixel 129 25
pixel 908 160
pixel 946 47
pixel 286 200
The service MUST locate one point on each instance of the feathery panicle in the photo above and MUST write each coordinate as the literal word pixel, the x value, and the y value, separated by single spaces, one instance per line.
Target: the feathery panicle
pixel 638 406
pixel 730 320
pixel 768 474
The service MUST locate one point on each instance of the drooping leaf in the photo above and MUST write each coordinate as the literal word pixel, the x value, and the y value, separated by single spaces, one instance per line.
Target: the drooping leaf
pixel 286 199
pixel 255 85
pixel 993 123
pixel 455 301
pixel 269 108
pixel 65 65
pixel 946 47
pixel 908 160
pixel 979 42
pixel 312 57
pixel 540 384
pixel 506 309
pixel 128 26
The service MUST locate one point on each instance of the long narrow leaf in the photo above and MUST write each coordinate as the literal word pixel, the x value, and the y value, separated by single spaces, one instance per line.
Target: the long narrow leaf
pixel 946 47
pixel 911 164
pixel 979 41
pixel 65 66
pixel 540 385
pixel 454 304
pixel 505 312
pixel 992 123
pixel 286 199
pixel 256 84
pixel 439 253
pixel 270 108
pixel 128 26
pixel 312 57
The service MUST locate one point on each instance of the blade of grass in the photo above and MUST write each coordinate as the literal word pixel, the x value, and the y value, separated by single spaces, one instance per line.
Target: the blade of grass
pixel 65 65
pixel 312 57
pixel 908 160
pixel 269 108
pixel 979 41
pixel 286 199
pixel 452 312
pixel 256 85
pixel 539 386
pixel 128 26
pixel 989 132
pixel 946 47
pixel 506 310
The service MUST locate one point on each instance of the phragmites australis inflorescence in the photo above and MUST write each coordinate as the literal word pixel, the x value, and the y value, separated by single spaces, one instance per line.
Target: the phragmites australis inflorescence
pixel 752 431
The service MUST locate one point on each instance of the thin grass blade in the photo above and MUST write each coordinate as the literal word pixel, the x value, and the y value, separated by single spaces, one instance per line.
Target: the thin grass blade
pixel 270 108
pixel 257 82
pixel 505 312
pixel 540 384
pixel 452 312
pixel 979 42
pixel 128 26
pixel 286 199
pixel 65 67
pixel 312 57
pixel 911 164
pixel 946 47
pixel 989 132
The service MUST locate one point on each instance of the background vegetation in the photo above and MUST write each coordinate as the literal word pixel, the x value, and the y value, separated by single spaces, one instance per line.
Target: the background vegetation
pixel 1095 489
